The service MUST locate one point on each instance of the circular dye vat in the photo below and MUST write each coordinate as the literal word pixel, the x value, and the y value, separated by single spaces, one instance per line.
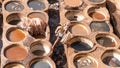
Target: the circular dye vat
pixel 40 64
pixel 15 35
pixel 85 62
pixel 74 16
pixel 14 65
pixel 36 5
pixel 14 6
pixel 40 48
pixel 40 15
pixel 97 16
pixel 15 52
pixel 106 41
pixel 79 29
pixel 81 44
pixel 13 19
pixel 111 58
pixel 96 1
pixel 38 25
pixel 99 26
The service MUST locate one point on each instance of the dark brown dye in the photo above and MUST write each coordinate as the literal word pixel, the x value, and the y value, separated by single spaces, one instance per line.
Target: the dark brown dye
pixel 13 19
pixel 40 64
pixel 38 49
pixel 0 5
pixel 52 1
pixel 14 6
pixel 85 62
pixel 80 46
pixel 111 61
pixel 14 65
pixel 98 26
pixel 14 22
pixel 96 1
pixel 38 52
pixel 36 34
pixel 1 31
pixel 1 19
pixel 105 41
pixel 36 5
pixel 74 16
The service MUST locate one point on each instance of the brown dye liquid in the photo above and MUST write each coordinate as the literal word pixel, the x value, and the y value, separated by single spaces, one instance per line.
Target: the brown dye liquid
pixel 71 16
pixel 72 3
pixel 16 35
pixel 97 16
pixel 106 41
pixel 38 49
pixel 78 30
pixel 111 61
pixel 16 53
pixel 14 22
pixel 37 15
pixel 13 19
pixel 74 16
pixel 38 52
pixel 14 65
